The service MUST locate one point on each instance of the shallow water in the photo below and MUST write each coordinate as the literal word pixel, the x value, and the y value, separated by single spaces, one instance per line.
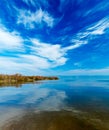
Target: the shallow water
pixel 70 103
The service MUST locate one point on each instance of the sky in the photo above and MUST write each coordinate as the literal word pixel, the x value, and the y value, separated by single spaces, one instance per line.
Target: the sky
pixel 54 37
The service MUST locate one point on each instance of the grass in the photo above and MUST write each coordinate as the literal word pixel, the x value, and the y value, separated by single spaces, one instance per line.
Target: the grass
pixel 19 79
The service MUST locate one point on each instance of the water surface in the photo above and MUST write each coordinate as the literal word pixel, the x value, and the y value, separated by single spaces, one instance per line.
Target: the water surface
pixel 70 103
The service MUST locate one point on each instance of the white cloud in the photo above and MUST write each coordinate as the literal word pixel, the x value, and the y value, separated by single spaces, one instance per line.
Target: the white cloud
pixel 54 53
pixel 12 65
pixel 35 61
pixel 40 17
pixel 85 35
pixel 47 50
pixel 103 71
pixel 28 2
pixel 99 27
pixel 10 40
pixel 23 64
pixel 37 3
pixel 43 56
pixel 77 43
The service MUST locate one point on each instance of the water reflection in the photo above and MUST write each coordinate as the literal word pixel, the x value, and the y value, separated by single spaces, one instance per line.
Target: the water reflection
pixel 31 96
pixel 74 102
pixel 15 102
pixel 18 84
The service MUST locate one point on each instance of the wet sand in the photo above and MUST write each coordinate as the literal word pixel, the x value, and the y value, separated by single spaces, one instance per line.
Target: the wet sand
pixel 62 120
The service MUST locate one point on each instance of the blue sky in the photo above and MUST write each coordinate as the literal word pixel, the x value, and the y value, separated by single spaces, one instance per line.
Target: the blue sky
pixel 53 37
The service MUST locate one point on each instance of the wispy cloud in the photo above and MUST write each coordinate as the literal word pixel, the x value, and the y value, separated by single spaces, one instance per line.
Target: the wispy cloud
pixel 54 53
pixel 30 19
pixel 10 41
pixel 27 64
pixel 38 3
pixel 76 44
pixel 35 62
pixel 42 56
pixel 28 2
pixel 85 35
pixel 103 71
pixel 12 65
pixel 39 53
pixel 100 7
pixel 99 27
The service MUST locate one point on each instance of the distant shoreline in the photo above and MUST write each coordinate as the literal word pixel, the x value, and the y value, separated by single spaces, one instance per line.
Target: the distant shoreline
pixel 6 79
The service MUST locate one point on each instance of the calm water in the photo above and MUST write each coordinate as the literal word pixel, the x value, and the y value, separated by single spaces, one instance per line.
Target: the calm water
pixel 71 103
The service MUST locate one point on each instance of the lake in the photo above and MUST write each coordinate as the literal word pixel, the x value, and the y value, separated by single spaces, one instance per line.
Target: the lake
pixel 70 103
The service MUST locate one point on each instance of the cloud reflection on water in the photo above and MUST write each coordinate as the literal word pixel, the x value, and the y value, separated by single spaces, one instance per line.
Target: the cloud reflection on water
pixel 17 101
pixel 76 95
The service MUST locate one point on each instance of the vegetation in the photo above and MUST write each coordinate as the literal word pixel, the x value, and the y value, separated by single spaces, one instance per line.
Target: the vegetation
pixel 19 79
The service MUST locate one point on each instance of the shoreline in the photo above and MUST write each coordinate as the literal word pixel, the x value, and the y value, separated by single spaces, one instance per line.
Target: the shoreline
pixel 18 79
